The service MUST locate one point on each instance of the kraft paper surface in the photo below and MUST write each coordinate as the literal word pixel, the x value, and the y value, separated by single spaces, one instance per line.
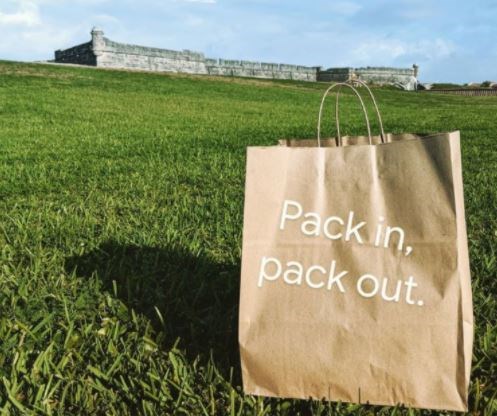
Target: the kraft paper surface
pixel 355 282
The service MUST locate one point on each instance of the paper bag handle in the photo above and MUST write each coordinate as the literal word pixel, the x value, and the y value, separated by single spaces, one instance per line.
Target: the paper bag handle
pixel 342 84
pixel 380 121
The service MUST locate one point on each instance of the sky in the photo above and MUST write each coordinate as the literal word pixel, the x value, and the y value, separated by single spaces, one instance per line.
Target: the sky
pixel 450 40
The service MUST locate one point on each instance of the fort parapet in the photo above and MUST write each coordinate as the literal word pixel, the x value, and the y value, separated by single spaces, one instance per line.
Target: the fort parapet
pixel 405 78
pixel 105 53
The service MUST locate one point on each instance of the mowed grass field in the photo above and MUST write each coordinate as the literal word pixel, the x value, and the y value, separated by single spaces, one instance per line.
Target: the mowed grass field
pixel 121 208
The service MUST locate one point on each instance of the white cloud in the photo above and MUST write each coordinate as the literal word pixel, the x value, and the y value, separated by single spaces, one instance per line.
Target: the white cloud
pixel 26 14
pixel 106 18
pixel 378 50
pixel 26 34
pixel 45 40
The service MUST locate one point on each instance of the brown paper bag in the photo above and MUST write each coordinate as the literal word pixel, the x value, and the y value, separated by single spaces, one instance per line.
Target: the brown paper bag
pixel 355 281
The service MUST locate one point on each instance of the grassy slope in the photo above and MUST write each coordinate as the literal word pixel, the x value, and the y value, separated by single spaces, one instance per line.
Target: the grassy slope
pixel 121 199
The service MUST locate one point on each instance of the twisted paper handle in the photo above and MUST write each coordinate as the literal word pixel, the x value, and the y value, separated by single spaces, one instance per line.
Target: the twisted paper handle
pixel 380 121
pixel 337 118
pixel 342 84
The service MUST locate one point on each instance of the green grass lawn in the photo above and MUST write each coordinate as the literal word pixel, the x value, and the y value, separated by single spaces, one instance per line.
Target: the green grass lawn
pixel 121 207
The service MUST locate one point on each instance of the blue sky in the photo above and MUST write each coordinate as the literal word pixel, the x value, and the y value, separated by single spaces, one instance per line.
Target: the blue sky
pixel 452 41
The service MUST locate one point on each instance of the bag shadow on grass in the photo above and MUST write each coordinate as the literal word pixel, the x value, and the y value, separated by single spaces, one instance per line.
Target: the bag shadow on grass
pixel 196 296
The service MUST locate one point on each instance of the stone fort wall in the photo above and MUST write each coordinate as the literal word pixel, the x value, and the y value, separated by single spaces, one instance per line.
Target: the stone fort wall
pixel 402 77
pixel 105 53
pixel 80 54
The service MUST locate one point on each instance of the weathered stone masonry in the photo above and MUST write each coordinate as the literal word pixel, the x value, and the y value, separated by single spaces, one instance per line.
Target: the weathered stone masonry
pixel 402 77
pixel 105 53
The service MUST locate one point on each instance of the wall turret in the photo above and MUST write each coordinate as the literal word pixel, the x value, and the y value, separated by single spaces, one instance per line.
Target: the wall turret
pixel 97 40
